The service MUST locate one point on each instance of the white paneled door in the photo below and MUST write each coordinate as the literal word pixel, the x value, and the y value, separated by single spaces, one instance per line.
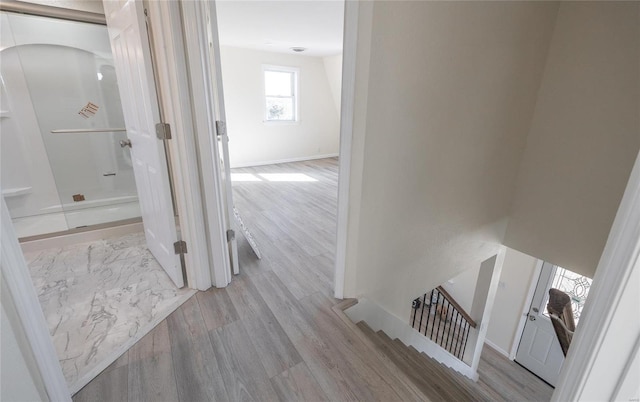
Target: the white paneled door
pixel 539 350
pixel 131 53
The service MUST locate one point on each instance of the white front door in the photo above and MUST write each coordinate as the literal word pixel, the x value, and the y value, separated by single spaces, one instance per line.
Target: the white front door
pixel 132 57
pixel 539 350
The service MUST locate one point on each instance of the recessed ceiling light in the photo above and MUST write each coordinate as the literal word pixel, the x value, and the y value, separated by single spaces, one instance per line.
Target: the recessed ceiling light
pixel 298 49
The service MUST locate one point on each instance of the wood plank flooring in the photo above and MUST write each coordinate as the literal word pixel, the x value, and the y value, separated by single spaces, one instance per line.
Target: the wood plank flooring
pixel 508 380
pixel 271 334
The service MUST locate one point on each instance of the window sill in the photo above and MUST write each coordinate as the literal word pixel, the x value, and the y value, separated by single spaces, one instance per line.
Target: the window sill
pixel 281 122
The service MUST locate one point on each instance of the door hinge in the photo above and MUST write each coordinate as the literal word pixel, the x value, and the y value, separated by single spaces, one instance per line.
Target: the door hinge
pixel 180 247
pixel 221 128
pixel 163 131
pixel 231 234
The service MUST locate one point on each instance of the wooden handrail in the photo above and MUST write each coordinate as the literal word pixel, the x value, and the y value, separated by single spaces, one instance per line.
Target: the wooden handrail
pixel 455 304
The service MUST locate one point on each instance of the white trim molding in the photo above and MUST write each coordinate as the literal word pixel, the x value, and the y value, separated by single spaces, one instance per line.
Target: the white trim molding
pixel 197 18
pixel 350 44
pixel 606 336
pixel 351 150
pixel 497 348
pixel 15 273
pixel 175 101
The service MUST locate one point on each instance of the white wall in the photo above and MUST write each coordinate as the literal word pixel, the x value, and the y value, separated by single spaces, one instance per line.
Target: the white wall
pixel 333 68
pixel 253 142
pixel 25 163
pixel 517 274
pixel 447 114
pixel 462 287
pixel 584 136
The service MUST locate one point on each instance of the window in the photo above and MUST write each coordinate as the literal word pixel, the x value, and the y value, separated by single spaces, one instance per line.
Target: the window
pixel 575 285
pixel 281 93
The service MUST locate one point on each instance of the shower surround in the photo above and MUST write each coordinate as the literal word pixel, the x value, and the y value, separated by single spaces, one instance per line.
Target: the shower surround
pixel 99 298
pixel 61 123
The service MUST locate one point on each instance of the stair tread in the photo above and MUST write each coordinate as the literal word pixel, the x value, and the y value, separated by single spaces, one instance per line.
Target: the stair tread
pixel 437 381
pixel 459 379
pixel 441 368
pixel 397 357
pixel 443 381
pixel 364 327
pixel 383 345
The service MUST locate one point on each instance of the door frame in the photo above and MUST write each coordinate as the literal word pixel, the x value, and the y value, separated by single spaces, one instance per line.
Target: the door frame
pixel 526 307
pixel 205 88
pixel 22 292
pixel 350 174
pixel 198 229
pixel 598 345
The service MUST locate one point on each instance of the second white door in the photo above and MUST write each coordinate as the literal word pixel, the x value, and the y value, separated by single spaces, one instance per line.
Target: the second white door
pixel 539 350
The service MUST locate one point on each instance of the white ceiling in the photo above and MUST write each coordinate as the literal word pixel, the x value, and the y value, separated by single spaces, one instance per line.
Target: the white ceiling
pixel 276 26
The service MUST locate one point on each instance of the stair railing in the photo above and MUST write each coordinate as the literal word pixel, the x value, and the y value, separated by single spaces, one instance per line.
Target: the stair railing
pixel 439 317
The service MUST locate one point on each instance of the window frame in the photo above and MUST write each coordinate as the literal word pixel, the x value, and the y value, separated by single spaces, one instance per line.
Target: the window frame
pixel 295 74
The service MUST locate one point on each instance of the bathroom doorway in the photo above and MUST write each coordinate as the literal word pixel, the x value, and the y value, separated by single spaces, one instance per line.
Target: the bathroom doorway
pixel 68 181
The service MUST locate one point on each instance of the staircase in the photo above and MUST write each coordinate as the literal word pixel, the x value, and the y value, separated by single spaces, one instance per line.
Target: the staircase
pixel 436 381
pixel 440 318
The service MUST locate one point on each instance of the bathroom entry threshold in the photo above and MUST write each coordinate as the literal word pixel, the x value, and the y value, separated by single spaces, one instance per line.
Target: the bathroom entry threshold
pixel 81 229
pixel 80 235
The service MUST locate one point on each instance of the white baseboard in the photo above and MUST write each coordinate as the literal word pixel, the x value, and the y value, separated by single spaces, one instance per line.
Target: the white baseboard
pixel 498 349
pixel 380 319
pixel 287 160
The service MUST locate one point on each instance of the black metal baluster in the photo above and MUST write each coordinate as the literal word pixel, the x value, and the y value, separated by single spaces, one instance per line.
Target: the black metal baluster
pixel 415 310
pixel 445 329
pixel 462 328
pixel 464 346
pixel 426 324
pixel 435 314
pixel 455 330
pixel 452 329
pixel 422 312
pixel 450 334
pixel 439 314
pixel 466 337
pixel 457 334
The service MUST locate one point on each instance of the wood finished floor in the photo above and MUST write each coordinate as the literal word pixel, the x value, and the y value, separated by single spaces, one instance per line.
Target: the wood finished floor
pixel 271 334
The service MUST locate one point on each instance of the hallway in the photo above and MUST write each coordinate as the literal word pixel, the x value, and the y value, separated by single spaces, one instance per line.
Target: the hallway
pixel 272 333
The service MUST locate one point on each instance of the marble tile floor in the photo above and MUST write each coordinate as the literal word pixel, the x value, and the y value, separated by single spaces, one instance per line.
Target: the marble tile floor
pixel 99 298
